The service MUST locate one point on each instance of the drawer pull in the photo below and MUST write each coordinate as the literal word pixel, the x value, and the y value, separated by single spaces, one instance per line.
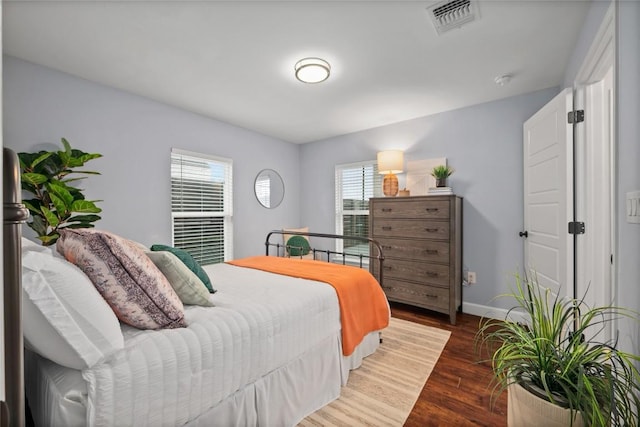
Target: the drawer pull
pixel 387 209
pixel 386 228
pixel 431 296
pixel 432 274
pixel 386 248
pixel 431 251
pixel 432 209
pixel 429 230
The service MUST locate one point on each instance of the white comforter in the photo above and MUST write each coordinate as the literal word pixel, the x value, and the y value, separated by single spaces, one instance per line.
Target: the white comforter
pixel 261 322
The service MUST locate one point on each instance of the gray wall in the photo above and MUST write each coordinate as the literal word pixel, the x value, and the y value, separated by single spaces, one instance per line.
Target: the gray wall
pixel 628 165
pixel 136 135
pixel 483 143
pixel 592 22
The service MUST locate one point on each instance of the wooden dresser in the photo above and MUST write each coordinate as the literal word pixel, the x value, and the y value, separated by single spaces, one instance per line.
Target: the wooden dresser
pixel 421 238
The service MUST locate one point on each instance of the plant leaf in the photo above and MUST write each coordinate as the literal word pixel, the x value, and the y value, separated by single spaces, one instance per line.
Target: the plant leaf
pixel 50 217
pixel 66 145
pixel 62 191
pixel 84 206
pixel 38 225
pixel 84 218
pixel 79 225
pixel 33 178
pixel 59 204
pixel 49 239
pixel 44 156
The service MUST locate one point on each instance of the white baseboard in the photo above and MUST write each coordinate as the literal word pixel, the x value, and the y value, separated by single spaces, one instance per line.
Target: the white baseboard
pixel 491 312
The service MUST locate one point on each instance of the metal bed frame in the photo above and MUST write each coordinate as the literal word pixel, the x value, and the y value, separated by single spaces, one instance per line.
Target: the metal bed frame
pixel 332 256
pixel 12 409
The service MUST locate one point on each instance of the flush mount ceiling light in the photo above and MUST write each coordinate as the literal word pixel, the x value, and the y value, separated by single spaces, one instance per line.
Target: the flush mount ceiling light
pixel 312 70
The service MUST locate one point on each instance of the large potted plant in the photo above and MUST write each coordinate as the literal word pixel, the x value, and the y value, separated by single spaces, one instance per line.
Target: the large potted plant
pixel 550 355
pixel 56 204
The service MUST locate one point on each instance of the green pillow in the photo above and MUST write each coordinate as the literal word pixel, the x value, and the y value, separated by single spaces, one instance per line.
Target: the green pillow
pixel 188 260
pixel 298 246
pixel 187 285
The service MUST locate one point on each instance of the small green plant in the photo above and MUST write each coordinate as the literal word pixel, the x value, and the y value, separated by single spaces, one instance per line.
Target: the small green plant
pixel 559 351
pixel 442 171
pixel 56 204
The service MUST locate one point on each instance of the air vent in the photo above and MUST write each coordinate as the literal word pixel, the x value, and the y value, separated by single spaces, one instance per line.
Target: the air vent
pixel 448 15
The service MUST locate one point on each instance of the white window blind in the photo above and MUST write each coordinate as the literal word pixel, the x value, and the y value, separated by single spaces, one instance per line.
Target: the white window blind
pixel 355 184
pixel 202 206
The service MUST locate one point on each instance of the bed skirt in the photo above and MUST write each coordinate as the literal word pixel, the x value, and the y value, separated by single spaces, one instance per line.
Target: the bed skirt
pixel 57 395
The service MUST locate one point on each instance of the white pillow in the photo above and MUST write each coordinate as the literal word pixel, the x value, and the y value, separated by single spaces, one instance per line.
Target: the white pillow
pixel 30 246
pixel 65 319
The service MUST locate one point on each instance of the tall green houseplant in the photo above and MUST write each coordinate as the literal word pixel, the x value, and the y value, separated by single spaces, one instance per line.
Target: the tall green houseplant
pixel 559 355
pixel 56 203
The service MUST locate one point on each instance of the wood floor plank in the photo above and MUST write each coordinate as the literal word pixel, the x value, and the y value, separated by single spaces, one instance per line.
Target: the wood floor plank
pixel 458 391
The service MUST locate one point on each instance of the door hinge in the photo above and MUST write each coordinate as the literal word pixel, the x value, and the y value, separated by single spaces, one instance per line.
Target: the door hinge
pixel 576 227
pixel 576 116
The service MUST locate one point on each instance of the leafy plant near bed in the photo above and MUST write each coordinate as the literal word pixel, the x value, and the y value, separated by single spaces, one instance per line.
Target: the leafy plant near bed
pixel 56 203
pixel 558 356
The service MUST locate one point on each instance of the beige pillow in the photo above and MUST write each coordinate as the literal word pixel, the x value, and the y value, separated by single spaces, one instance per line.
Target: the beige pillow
pixel 187 285
pixel 286 237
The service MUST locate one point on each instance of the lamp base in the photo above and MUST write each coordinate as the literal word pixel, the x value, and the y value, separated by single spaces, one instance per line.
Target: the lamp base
pixel 390 185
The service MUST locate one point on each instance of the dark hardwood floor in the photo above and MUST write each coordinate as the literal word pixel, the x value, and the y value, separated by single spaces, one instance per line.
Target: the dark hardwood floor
pixel 458 391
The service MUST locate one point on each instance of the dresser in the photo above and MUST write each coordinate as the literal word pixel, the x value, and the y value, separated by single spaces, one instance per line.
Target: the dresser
pixel 421 238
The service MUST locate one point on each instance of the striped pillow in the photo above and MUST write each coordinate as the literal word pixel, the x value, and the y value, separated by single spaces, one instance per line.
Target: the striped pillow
pixel 127 279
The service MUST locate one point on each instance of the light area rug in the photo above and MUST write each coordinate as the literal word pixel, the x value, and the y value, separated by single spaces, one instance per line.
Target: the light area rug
pixel 385 388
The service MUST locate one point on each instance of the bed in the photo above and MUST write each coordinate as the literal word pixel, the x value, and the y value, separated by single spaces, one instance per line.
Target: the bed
pixel 269 351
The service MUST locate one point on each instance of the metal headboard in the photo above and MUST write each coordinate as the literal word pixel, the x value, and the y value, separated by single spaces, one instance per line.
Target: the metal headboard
pixel 14 215
pixel 331 255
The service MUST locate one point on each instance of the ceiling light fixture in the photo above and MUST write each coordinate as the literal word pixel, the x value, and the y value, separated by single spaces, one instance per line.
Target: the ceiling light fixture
pixel 312 70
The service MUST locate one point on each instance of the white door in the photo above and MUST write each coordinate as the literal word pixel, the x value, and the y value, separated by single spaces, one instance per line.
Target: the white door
pixel 595 249
pixel 548 194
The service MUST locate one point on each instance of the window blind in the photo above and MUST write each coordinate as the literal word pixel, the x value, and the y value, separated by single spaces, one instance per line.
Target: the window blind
pixel 202 206
pixel 355 184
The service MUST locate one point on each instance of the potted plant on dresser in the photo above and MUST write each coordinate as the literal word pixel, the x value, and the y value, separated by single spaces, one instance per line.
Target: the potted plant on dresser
pixel 441 173
pixel 556 366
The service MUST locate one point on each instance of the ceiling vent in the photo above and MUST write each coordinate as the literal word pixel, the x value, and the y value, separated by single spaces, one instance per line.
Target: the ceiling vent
pixel 451 14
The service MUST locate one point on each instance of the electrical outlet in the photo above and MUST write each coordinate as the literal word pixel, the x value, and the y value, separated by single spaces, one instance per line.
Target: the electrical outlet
pixel 471 277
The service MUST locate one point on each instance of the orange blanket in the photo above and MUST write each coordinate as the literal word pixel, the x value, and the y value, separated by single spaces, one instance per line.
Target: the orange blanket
pixel 363 304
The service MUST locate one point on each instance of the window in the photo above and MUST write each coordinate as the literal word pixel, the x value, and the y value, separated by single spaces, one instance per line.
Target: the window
pixel 202 206
pixel 355 184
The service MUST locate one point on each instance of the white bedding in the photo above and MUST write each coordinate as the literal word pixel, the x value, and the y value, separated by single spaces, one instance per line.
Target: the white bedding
pixel 269 353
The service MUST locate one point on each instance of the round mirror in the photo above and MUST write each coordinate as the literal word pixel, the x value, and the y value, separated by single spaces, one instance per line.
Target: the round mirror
pixel 269 188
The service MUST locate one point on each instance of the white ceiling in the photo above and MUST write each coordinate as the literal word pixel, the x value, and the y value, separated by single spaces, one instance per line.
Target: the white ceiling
pixel 233 60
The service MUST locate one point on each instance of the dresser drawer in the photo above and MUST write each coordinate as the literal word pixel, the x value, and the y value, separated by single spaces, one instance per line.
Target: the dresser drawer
pixel 421 272
pixel 427 250
pixel 425 296
pixel 410 228
pixel 411 209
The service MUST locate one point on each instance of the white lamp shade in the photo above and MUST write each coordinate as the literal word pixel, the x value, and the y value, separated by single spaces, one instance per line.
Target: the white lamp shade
pixel 391 161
